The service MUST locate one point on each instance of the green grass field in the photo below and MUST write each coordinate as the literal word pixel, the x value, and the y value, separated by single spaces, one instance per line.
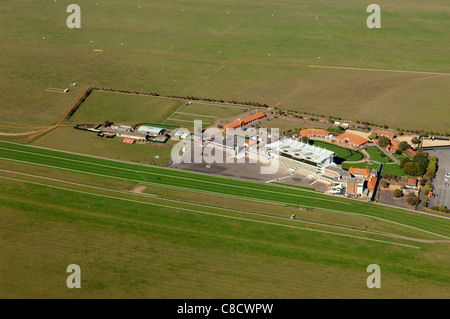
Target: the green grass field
pixel 214 185
pixel 123 108
pixel 343 154
pixel 360 165
pixel 375 152
pixel 191 235
pixel 256 52
pixel 130 245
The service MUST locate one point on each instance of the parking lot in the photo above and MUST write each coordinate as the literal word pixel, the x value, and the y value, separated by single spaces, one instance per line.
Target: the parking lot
pixel 442 193
pixel 247 170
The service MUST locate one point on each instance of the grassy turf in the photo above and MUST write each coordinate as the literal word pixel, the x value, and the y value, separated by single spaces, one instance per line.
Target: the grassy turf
pixel 375 152
pixel 343 154
pixel 204 51
pixel 219 185
pixel 361 165
pixel 131 249
pixel 123 108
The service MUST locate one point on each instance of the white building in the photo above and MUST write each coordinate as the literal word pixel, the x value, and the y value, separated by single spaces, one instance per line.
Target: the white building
pixel 300 155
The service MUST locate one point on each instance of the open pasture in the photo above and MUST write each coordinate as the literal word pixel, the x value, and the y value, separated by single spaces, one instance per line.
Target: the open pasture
pixel 248 51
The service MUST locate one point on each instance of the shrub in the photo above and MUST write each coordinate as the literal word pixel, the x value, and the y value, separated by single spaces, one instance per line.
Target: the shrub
pixel 398 193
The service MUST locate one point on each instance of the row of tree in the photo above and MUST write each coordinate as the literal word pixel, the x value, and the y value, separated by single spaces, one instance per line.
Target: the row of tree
pixel 182 97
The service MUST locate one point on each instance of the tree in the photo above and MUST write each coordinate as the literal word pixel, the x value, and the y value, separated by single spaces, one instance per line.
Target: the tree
pixel 398 193
pixel 426 189
pixel 383 141
pixel 384 184
pixel 305 139
pixel 403 146
pixel 412 199
pixel 404 161
pixel 415 140
pixel 432 164
pixel 409 169
pixel 373 136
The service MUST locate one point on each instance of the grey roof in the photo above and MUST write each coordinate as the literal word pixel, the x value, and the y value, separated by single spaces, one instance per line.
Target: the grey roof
pixel 301 150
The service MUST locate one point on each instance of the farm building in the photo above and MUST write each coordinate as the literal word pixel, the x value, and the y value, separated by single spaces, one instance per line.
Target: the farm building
pixel 315 133
pixel 351 140
pixel 151 130
pixel 411 183
pixel 122 128
pixel 242 122
pixel 300 155
pixel 125 134
pixel 385 133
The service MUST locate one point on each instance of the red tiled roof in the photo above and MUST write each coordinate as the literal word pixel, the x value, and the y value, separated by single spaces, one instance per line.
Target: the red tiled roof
pixel 310 132
pixel 385 133
pixel 371 183
pixel 394 145
pixel 411 181
pixel 359 171
pixel 254 117
pixel 411 152
pixel 352 139
pixel 237 123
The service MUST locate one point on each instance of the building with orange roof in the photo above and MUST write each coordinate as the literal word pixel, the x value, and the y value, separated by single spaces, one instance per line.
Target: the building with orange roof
pixel 371 183
pixel 394 145
pixel 351 140
pixel 411 152
pixel 385 133
pixel 315 133
pixel 359 172
pixel 411 183
pixel 246 120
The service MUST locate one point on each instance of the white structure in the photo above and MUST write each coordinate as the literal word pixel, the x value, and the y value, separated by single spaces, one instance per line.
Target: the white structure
pixel 300 155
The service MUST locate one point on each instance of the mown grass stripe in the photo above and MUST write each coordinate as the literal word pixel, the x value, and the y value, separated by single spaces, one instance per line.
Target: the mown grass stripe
pixel 209 213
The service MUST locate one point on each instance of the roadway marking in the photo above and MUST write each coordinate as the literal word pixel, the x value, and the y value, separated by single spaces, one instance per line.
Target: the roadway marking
pixel 209 213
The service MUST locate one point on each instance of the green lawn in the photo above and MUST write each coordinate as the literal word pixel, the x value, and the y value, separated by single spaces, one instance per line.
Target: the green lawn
pixel 361 165
pixel 343 154
pixel 214 185
pixel 123 108
pixel 375 152
pixel 131 246
pixel 393 169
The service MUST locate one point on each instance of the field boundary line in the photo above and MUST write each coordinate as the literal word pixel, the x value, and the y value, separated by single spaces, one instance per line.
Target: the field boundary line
pixel 209 213
pixel 213 117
